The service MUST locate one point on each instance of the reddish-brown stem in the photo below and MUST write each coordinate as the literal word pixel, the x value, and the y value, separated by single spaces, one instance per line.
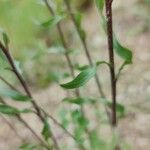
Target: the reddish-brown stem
pixel 20 78
pixel 5 50
pixel 108 4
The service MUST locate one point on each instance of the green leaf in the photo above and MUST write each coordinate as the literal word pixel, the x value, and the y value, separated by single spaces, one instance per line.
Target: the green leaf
pixel 78 21
pixel 54 20
pixel 79 100
pixel 81 68
pixel 9 110
pixel 56 49
pixel 78 18
pixel 27 146
pixel 81 79
pixel 123 52
pixel 14 95
pixel 5 39
pixel 3 61
pixel 79 133
pixel 102 62
pixel 78 117
pixel 12 111
pixel 100 5
pixel 96 142
pixel 119 107
pixel 46 130
pixel 64 116
pixel 18 66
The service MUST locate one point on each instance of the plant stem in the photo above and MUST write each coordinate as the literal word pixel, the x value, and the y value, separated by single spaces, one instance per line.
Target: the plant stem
pixel 64 43
pixel 83 41
pixel 89 58
pixel 47 114
pixel 12 127
pixel 26 125
pixel 108 4
pixel 5 50
pixel 69 62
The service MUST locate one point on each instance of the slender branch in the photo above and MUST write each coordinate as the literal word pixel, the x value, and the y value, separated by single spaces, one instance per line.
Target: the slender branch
pixel 69 62
pixel 8 84
pixel 64 43
pixel 26 125
pixel 12 127
pixel 47 114
pixel 89 58
pixel 108 4
pixel 83 41
pixel 5 50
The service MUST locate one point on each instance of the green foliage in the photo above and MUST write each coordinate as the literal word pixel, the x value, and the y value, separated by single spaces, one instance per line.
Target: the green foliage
pixel 81 79
pixel 52 22
pixel 119 107
pixel 46 130
pixel 123 52
pixel 29 35
pixel 3 61
pixel 29 146
pixel 100 5
pixel 11 111
pixel 5 39
pixel 80 100
pixel 14 95
pixel 96 142
pixel 78 21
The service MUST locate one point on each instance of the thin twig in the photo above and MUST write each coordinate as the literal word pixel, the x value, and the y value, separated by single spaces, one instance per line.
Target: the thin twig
pixel 47 114
pixel 83 42
pixel 64 43
pixel 69 62
pixel 7 83
pixel 12 127
pixel 26 125
pixel 89 58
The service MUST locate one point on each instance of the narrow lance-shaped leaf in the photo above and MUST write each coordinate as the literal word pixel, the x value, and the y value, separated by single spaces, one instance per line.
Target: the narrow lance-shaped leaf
pixel 9 110
pixel 100 5
pixel 12 111
pixel 46 130
pixel 119 107
pixel 81 79
pixel 79 100
pixel 14 95
pixel 54 20
pixel 78 21
pixel 3 61
pixel 27 146
pixel 5 39
pixel 123 52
